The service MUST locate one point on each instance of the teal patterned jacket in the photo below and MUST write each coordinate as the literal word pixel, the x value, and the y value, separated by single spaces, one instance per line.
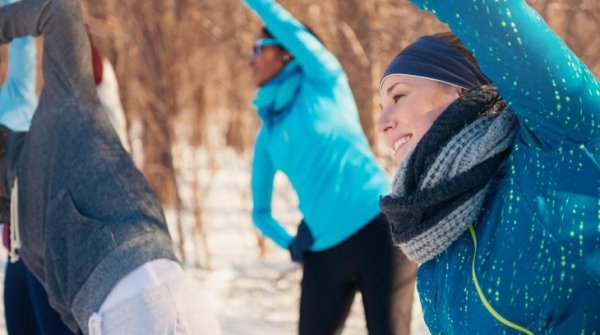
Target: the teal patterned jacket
pixel 531 265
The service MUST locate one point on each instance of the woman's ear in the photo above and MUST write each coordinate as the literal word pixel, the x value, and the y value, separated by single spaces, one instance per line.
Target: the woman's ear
pixel 286 57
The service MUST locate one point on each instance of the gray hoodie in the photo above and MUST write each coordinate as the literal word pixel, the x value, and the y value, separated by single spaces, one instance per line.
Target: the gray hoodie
pixel 87 216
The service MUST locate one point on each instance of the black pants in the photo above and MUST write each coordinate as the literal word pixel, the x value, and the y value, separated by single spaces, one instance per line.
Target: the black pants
pixel 367 262
pixel 26 305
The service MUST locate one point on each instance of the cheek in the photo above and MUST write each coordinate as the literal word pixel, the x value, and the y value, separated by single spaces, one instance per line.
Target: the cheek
pixel 270 57
pixel 425 113
pixel 255 63
pixel 425 123
pixel 411 111
pixel 262 61
pixel 444 99
pixel 398 113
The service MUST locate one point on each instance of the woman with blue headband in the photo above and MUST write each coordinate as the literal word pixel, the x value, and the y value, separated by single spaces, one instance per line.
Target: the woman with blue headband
pixel 498 190
pixel 311 132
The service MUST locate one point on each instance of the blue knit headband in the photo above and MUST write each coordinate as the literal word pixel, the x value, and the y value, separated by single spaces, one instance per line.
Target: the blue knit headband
pixel 433 58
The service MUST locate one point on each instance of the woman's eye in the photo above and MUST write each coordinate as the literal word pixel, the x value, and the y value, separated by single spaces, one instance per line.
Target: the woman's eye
pixel 397 97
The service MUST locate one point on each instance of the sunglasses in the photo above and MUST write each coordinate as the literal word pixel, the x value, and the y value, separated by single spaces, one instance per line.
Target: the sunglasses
pixel 260 43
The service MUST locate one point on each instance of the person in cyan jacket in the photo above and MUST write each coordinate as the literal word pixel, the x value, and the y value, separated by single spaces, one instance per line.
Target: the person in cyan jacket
pixel 83 218
pixel 498 191
pixel 311 132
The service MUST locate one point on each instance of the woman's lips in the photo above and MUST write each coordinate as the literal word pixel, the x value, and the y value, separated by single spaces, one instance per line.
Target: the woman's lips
pixel 399 143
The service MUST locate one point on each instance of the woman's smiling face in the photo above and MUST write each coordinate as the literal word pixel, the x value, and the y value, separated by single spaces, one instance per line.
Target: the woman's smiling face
pixel 409 106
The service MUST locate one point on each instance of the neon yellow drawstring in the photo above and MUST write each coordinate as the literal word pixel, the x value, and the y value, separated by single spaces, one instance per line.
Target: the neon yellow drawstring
pixel 487 305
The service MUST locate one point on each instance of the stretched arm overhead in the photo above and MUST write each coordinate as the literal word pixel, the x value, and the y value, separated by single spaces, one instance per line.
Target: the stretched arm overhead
pixel 67 59
pixel 263 173
pixel 316 61
pixel 553 92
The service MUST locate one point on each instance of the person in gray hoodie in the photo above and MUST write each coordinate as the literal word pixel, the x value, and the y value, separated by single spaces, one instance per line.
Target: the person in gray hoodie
pixel 83 218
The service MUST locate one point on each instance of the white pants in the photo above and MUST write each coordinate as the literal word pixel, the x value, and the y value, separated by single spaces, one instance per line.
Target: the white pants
pixel 156 298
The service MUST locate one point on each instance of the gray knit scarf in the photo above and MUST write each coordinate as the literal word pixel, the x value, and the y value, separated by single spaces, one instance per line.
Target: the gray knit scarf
pixel 440 188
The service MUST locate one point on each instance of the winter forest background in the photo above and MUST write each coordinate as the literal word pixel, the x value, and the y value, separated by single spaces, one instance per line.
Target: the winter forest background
pixel 182 67
pixel 184 77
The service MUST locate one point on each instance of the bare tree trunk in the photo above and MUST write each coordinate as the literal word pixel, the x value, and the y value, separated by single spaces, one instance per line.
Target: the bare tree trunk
pixel 199 228
pixel 166 52
pixel 198 139
pixel 356 17
pixel 151 24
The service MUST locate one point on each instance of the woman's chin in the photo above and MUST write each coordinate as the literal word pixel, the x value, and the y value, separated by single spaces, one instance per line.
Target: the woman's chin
pixel 402 153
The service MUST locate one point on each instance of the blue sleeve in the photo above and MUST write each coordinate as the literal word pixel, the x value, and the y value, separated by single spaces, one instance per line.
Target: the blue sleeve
pixel 17 97
pixel 316 61
pixel 263 174
pixel 553 92
pixel 67 70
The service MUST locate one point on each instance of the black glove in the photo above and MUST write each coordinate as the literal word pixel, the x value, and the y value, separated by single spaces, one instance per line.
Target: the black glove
pixel 302 243
pixel 10 150
pixel 11 143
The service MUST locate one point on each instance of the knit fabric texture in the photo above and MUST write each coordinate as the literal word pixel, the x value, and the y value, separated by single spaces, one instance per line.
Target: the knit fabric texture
pixel 439 189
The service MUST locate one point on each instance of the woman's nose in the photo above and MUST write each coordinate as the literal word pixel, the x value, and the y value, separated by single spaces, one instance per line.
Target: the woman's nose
pixel 384 122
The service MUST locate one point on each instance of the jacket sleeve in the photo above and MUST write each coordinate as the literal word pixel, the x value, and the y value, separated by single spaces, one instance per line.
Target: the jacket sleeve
pixel 555 95
pixel 67 58
pixel 263 173
pixel 316 61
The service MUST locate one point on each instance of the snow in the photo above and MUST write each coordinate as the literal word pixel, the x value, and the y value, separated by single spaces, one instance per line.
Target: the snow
pixel 250 294
pixel 253 294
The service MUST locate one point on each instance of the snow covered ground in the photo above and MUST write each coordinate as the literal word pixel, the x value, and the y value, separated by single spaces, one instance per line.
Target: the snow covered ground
pixel 252 295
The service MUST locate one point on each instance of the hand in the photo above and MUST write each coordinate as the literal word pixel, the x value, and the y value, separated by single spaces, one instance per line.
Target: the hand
pixel 302 243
